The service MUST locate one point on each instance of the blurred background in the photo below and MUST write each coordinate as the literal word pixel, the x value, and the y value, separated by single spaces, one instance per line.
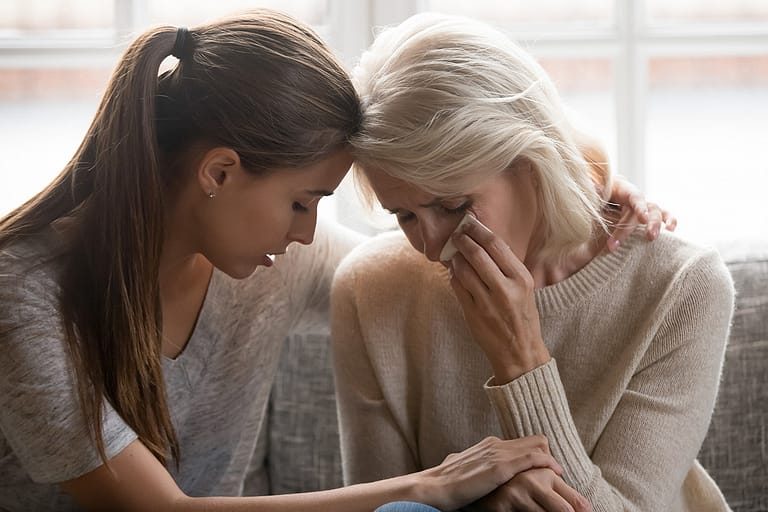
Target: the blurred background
pixel 677 90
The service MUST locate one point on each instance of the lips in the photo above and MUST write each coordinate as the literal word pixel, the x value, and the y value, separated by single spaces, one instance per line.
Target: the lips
pixel 269 258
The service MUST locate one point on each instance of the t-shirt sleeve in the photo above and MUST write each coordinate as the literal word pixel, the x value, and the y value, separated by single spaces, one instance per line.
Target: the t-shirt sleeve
pixel 40 415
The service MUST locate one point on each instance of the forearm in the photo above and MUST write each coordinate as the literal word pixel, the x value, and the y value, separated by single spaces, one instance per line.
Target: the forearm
pixel 136 481
pixel 355 498
pixel 535 404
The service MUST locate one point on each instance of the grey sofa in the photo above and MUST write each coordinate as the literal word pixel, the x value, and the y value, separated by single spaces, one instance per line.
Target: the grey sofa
pixel 299 449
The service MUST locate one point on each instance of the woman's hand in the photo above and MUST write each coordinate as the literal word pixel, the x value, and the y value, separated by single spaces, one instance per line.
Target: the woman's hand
pixel 628 209
pixel 480 469
pixel 537 490
pixel 495 291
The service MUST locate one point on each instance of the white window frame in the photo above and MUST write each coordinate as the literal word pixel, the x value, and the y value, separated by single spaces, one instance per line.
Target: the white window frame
pixel 630 41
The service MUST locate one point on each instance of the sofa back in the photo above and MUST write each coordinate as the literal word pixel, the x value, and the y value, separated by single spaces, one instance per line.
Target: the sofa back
pixel 300 447
pixel 735 451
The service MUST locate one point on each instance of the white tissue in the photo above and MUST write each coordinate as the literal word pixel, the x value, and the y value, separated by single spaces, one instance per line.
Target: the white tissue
pixel 449 249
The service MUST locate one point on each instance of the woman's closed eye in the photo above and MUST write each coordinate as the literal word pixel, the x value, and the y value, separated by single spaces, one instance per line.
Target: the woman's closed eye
pixel 455 210
pixel 404 217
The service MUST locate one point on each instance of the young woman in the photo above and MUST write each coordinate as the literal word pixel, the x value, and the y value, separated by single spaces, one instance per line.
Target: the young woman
pixel 614 357
pixel 139 340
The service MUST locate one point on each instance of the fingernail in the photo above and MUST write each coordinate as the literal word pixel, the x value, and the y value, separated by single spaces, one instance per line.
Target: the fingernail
pixel 613 244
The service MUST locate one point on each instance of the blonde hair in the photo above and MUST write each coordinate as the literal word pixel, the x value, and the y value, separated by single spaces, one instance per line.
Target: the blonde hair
pixel 449 103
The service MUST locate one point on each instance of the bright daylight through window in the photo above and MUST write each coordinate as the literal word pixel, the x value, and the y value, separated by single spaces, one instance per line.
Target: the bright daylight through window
pixel 676 90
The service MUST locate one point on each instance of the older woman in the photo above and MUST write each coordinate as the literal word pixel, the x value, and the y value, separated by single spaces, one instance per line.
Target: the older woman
pixel 532 328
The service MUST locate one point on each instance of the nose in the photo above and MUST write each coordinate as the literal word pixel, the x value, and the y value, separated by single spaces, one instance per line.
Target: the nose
pixel 303 227
pixel 432 241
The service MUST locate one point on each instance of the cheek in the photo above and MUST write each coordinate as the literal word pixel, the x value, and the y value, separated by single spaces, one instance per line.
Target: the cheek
pixel 505 225
pixel 413 235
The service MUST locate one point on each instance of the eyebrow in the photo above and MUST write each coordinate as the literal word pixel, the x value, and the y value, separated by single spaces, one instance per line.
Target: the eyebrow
pixel 323 193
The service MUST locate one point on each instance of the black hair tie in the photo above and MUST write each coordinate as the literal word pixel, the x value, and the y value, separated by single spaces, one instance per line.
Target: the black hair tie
pixel 179 46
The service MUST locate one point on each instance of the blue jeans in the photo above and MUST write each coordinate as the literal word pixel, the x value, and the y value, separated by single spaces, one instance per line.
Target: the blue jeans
pixel 405 506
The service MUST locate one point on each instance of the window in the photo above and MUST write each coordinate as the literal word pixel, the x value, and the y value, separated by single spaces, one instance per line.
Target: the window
pixel 677 91
pixel 56 57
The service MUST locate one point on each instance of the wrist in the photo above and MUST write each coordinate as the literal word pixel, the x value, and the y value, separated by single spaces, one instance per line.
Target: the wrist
pixel 416 487
pixel 506 372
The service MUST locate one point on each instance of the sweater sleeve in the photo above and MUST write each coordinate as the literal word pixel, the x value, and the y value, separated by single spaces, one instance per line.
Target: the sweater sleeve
pixel 656 430
pixel 373 444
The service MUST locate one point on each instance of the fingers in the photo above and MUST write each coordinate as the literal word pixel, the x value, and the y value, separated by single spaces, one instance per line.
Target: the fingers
pixel 465 282
pixel 538 489
pixel 571 496
pixel 528 504
pixel 491 259
pixel 516 455
pixel 478 239
pixel 487 466
pixel 529 452
pixel 653 225
pixel 655 219
pixel 635 210
pixel 626 194
pixel 670 221
pixel 551 501
pixel 658 218
pixel 533 460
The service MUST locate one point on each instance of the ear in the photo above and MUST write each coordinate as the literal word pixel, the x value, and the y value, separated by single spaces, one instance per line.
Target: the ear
pixel 216 167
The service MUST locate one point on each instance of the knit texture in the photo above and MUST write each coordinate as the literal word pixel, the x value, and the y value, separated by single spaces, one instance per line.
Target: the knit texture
pixel 637 339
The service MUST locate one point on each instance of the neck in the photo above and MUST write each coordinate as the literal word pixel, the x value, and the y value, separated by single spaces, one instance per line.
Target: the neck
pixel 181 265
pixel 547 272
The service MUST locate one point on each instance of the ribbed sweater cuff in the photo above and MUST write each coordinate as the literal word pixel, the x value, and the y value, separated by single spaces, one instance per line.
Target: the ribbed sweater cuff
pixel 535 404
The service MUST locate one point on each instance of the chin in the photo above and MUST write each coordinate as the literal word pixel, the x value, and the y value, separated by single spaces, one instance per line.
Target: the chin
pixel 240 272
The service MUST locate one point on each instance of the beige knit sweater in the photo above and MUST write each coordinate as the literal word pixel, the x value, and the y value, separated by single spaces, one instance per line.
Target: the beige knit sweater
pixel 637 339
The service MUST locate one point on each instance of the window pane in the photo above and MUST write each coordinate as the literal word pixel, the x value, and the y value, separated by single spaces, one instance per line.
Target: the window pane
pixel 43 117
pixel 586 87
pixel 513 12
pixel 184 12
pixel 44 15
pixel 707 11
pixel 706 130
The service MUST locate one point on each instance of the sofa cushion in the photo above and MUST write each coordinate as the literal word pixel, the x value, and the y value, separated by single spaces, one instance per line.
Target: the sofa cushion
pixel 735 451
pixel 303 433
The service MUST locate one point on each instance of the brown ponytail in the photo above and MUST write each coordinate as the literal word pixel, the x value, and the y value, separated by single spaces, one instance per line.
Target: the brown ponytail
pixel 260 83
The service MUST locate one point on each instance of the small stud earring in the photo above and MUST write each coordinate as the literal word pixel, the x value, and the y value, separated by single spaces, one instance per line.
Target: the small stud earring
pixel 211 194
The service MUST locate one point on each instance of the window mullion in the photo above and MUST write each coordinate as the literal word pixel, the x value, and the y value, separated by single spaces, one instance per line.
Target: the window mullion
pixel 130 16
pixel 631 75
